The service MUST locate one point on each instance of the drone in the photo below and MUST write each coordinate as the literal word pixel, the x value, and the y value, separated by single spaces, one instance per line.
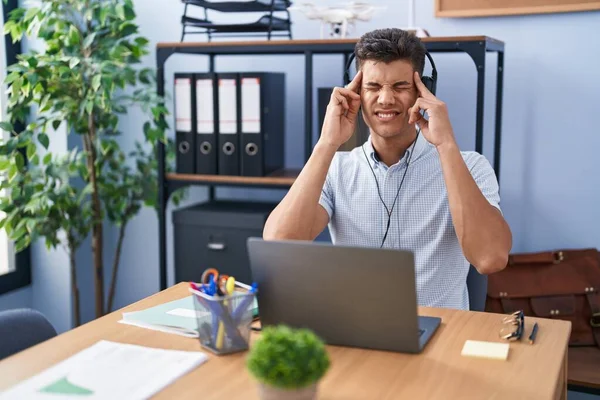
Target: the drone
pixel 341 19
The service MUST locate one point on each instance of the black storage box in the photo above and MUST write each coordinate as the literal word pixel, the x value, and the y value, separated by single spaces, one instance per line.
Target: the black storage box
pixel 214 234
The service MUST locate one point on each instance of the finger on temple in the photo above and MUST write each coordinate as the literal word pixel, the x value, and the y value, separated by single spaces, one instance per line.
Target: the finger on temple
pixel 355 84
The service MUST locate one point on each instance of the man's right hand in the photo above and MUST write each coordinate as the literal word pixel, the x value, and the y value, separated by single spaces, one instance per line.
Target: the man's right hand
pixel 342 110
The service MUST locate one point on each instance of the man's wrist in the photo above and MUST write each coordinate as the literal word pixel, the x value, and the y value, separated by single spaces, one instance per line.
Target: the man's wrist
pixel 326 146
pixel 447 147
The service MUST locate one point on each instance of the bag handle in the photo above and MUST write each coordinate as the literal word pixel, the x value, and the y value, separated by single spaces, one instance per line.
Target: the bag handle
pixel 547 257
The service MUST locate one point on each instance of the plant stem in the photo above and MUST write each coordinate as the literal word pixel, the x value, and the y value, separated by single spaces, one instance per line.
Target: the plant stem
pixel 116 259
pixel 97 245
pixel 74 289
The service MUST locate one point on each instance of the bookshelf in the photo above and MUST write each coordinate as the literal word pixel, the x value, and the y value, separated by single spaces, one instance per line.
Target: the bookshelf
pixel 476 47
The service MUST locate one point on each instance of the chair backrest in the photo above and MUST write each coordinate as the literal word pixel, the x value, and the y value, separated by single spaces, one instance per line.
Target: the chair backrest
pixel 477 287
pixel 21 329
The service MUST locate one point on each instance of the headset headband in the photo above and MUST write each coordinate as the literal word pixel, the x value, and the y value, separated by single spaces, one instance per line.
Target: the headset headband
pixel 353 55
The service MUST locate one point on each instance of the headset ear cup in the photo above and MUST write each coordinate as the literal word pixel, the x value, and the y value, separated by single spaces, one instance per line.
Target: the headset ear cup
pixel 429 83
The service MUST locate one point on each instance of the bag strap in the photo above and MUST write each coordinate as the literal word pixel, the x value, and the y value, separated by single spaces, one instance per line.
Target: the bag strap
pixel 594 301
pixel 547 257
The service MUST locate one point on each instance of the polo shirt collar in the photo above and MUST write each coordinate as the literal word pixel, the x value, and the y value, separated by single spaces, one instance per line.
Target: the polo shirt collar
pixel 417 151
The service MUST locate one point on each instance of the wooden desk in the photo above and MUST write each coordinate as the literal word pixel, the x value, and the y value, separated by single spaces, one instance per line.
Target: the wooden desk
pixel 531 371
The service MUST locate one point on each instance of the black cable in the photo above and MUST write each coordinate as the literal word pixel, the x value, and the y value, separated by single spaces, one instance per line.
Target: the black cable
pixel 388 211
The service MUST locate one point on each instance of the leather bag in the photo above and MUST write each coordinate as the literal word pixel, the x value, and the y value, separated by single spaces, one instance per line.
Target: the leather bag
pixel 561 284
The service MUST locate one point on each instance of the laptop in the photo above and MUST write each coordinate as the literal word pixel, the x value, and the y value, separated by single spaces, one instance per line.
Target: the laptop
pixel 349 296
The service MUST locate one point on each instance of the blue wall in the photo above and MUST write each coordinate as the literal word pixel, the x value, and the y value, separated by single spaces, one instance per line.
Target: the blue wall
pixel 549 183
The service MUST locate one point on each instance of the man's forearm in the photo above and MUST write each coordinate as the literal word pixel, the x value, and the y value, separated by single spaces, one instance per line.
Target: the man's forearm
pixel 483 234
pixel 295 215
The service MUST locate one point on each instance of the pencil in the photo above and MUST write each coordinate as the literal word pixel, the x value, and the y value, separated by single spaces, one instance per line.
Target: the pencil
pixel 533 333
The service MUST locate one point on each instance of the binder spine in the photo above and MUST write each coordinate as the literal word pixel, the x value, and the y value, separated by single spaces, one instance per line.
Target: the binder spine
pixel 252 94
pixel 273 117
pixel 184 123
pixel 229 125
pixel 263 112
pixel 205 106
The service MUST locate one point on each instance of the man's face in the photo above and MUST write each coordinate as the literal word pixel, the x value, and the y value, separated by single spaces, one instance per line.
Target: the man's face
pixel 387 93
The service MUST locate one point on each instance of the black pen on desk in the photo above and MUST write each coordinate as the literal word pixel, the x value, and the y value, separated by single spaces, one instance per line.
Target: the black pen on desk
pixel 533 333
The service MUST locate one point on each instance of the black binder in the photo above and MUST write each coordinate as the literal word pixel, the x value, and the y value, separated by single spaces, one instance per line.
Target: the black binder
pixel 206 127
pixel 229 124
pixel 184 123
pixel 262 122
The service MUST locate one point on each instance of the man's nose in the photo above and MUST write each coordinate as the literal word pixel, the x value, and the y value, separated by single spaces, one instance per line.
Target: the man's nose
pixel 386 97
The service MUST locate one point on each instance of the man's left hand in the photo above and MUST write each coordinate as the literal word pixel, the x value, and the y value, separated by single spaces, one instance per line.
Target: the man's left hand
pixel 438 130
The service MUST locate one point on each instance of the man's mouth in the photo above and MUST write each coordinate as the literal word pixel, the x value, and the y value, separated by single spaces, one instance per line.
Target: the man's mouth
pixel 386 115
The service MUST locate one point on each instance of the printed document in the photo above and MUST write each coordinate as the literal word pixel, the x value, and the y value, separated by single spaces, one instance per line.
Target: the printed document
pixel 108 370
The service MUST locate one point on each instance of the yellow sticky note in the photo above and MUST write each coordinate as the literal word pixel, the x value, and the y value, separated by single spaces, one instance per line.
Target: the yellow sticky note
pixel 490 350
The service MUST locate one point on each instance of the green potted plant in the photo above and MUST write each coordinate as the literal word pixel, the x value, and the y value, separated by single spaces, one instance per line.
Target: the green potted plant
pixel 288 363
pixel 87 76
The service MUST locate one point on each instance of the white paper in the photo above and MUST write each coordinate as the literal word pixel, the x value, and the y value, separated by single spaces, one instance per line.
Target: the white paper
pixel 109 370
pixel 187 313
pixel 161 328
pixel 183 105
pixel 250 105
pixel 227 106
pixel 204 106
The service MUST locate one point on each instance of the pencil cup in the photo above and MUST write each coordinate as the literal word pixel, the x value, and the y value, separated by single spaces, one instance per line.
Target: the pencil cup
pixel 224 322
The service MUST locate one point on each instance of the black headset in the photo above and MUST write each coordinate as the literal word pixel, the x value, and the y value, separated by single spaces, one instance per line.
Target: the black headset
pixel 430 83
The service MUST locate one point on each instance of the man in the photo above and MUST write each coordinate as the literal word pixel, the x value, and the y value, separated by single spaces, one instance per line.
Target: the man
pixel 408 187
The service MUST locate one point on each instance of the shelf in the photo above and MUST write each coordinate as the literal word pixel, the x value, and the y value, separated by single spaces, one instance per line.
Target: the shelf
pixel 241 6
pixel 476 47
pixel 263 24
pixel 445 43
pixel 281 178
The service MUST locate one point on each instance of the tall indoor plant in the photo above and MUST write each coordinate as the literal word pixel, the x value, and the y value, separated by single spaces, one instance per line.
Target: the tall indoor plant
pixel 86 76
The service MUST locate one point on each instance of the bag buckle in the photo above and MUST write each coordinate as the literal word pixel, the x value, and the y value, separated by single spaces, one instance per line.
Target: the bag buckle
pixel 595 320
pixel 558 257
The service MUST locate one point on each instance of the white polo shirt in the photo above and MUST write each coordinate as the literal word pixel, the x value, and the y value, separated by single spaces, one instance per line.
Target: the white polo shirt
pixel 420 221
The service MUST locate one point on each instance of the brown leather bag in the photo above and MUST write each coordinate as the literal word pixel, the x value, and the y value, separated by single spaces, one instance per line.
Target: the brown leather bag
pixel 562 284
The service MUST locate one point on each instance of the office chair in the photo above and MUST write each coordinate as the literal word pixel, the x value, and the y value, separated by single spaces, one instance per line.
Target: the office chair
pixel 477 287
pixel 21 329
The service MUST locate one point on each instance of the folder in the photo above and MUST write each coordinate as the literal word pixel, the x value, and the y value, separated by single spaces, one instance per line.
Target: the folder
pixel 229 126
pixel 263 122
pixel 184 136
pixel 206 123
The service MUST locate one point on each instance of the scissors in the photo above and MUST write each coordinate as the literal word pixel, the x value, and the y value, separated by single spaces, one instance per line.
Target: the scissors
pixel 219 279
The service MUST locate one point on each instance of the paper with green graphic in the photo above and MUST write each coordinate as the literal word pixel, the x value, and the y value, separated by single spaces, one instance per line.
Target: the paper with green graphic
pixel 64 387
pixel 108 370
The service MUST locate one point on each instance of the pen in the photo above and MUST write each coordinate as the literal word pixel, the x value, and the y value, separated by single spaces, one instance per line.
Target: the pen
pixel 533 333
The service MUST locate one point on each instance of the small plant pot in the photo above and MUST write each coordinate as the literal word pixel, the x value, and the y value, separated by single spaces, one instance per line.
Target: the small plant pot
pixel 267 392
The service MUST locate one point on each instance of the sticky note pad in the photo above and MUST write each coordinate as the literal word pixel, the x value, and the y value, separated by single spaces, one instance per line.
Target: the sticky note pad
pixel 491 350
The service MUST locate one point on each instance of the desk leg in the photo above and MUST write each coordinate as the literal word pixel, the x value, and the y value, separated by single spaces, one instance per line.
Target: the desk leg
pixel 562 384
pixel 565 375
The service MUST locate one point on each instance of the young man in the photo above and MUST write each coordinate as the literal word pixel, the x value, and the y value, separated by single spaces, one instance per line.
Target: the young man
pixel 408 187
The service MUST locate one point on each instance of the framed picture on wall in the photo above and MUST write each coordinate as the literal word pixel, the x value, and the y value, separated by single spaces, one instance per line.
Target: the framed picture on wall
pixel 490 8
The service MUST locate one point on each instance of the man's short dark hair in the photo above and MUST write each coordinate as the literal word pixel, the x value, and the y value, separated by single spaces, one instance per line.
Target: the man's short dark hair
pixel 388 45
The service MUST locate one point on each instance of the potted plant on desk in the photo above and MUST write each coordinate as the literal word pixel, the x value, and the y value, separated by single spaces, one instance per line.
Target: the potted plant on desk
pixel 288 363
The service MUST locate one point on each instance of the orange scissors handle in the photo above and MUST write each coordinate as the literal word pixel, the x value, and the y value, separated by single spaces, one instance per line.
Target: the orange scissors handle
pixel 207 273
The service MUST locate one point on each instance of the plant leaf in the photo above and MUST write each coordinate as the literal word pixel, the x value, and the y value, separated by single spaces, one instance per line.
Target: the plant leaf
pixel 7 126
pixel 19 160
pixel 96 80
pixel 44 140
pixel 89 39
